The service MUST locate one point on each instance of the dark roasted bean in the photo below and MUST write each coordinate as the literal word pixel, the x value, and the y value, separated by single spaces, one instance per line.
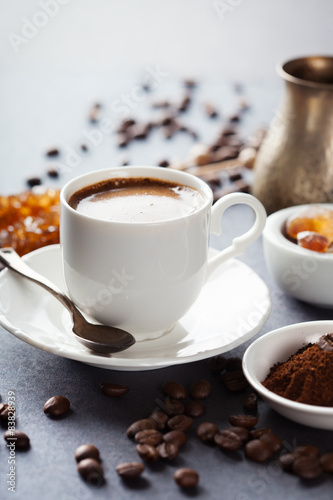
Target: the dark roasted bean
pixel 94 113
pixel 326 462
pixel 177 437
pixel 190 83
pixel 122 140
pixel 194 409
pixel 6 411
pixel 246 421
pixel 180 423
pixel 256 433
pixel 272 440
pixel 17 438
pixel 234 117
pixel 53 172
pixel 234 363
pixel 160 419
pixel 140 131
pixel 52 152
pixel 308 449
pixel 86 451
pixel 130 469
pixel 251 402
pixel 325 343
pixel 168 450
pixel 147 452
pixel 91 470
pixel 228 440
pixel 184 103
pixel 163 163
pixel 186 478
pixel 173 407
pixel 174 390
pixel 217 364
pixel 210 110
pixel 56 406
pixel 241 432
pixel 152 437
pixel 258 451
pixel 235 381
pixel 206 431
pixel 242 186
pixel 114 390
pixel 200 389
pixel 139 425
pixel 125 125
pixel 307 467
pixel 287 460
pixel 84 148
pixel 34 181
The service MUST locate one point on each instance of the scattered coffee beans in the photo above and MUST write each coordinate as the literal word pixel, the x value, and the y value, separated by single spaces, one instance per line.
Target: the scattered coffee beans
pixel 173 407
pixel 52 152
pixel 159 419
pixel 176 437
pixel 235 381
pixel 307 467
pixel 174 390
pixel 201 389
pixel 217 364
pixel 186 478
pixel 86 451
pixel 91 470
pixel 19 438
pixel 56 406
pixel 246 421
pixel 152 437
pixel 258 451
pixel 168 450
pixel 228 440
pixel 234 363
pixel 147 452
pixel 129 470
pixel 139 425
pixel 206 431
pixel 251 402
pixel 34 181
pixel 114 390
pixel 194 409
pixel 180 423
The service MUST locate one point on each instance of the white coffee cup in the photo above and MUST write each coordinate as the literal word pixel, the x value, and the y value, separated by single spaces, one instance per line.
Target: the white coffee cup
pixel 144 276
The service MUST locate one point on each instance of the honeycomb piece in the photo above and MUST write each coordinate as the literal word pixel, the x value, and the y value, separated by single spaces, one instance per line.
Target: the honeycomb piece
pixel 312 241
pixel 315 219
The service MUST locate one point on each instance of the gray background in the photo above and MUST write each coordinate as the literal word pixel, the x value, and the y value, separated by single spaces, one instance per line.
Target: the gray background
pixel 100 51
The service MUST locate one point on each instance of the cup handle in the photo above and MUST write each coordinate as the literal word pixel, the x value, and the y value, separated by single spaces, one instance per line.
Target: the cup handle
pixel 240 243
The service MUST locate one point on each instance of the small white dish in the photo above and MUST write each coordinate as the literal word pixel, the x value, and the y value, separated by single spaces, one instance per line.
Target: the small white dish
pixel 231 308
pixel 301 273
pixel 277 346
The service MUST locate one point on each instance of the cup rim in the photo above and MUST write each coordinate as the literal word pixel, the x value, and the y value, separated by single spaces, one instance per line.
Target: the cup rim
pixel 287 76
pixel 171 175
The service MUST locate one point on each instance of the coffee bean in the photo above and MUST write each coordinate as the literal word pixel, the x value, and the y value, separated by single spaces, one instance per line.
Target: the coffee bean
pixel 325 343
pixel 273 441
pixel 176 437
pixel 287 460
pixel 190 83
pixel 308 449
pixel 234 117
pixel 53 172
pixel 84 148
pixel 180 423
pixel 6 411
pixel 246 421
pixel 94 113
pixel 186 478
pixel 256 433
pixel 307 467
pixel 326 462
pixel 234 381
pixel 169 131
pixel 173 407
pixel 184 103
pixel 91 470
pixel 217 364
pixel 139 425
pixel 241 432
pixel 228 440
pixel 125 125
pixel 130 469
pixel 206 431
pixel 147 452
pixel 164 163
pixel 86 451
pixel 242 186
pixel 251 402
pixel 210 110
pixel 34 181
pixel 160 419
pixel 234 174
pixel 56 406
pixel 243 103
pixel 18 438
pixel 114 390
pixel 52 152
pixel 234 363
pixel 229 129
pixel 200 389
pixel 152 437
pixel 174 390
pixel 140 131
pixel 161 104
pixel 194 409
pixel 258 451
pixel 168 450
pixel 122 140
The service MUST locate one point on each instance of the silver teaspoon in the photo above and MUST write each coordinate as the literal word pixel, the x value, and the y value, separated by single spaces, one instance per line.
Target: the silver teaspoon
pixel 98 338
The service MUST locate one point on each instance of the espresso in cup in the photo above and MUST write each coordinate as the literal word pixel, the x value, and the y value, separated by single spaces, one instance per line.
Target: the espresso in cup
pixel 136 199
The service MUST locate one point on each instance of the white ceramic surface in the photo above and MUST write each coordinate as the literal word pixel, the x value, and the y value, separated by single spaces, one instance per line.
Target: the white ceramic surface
pixel 301 273
pixel 277 346
pixel 232 307
pixel 144 276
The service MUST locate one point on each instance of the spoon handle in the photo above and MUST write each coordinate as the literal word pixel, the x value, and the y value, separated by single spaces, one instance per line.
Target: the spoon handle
pixel 11 259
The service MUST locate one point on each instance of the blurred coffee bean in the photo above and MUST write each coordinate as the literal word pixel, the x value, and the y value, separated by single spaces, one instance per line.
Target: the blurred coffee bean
pixel 325 343
pixel 6 411
pixel 286 461
pixel 95 112
pixel 243 103
pixel 273 441
pixel 147 452
pixel 125 125
pixel 308 449
pixel 326 462
pixel 159 418
pixel 140 131
pixel 256 433
pixel 307 467
pixel 235 117
pixel 152 437
pixel 224 153
pixel 186 478
pixel 20 440
pixel 242 186
pixel 168 450
pixel 234 363
pixel 234 381
pixel 184 103
pixel 174 390
pixel 251 402
pixel 258 451
pixel 86 451
pixel 114 390
pixel 229 129
pixel 217 363
pixel 176 437
pixel 200 389
pixel 53 172
pixel 122 140
pixel 194 409
pixel 34 181
pixel 139 425
pixel 210 110
pixel 228 440
pixel 161 104
pixel 163 163
pixel 91 470
pixel 84 148
pixel 234 174
pixel 242 432
pixel 173 407
pixel 206 431
pixel 180 423
pixel 56 406
pixel 130 469
pixel 169 131
pixel 190 83
pixel 246 421
pixel 52 152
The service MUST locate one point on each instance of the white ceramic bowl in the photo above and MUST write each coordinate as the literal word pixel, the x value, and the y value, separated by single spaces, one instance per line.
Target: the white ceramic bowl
pixel 277 346
pixel 301 273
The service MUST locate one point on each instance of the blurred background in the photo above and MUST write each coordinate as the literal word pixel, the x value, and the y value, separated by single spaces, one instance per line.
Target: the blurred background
pixel 58 57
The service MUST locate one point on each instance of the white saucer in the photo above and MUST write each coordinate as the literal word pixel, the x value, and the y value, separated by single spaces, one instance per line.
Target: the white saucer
pixel 231 308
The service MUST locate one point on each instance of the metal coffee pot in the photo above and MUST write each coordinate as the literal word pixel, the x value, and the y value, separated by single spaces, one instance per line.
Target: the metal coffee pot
pixel 295 163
